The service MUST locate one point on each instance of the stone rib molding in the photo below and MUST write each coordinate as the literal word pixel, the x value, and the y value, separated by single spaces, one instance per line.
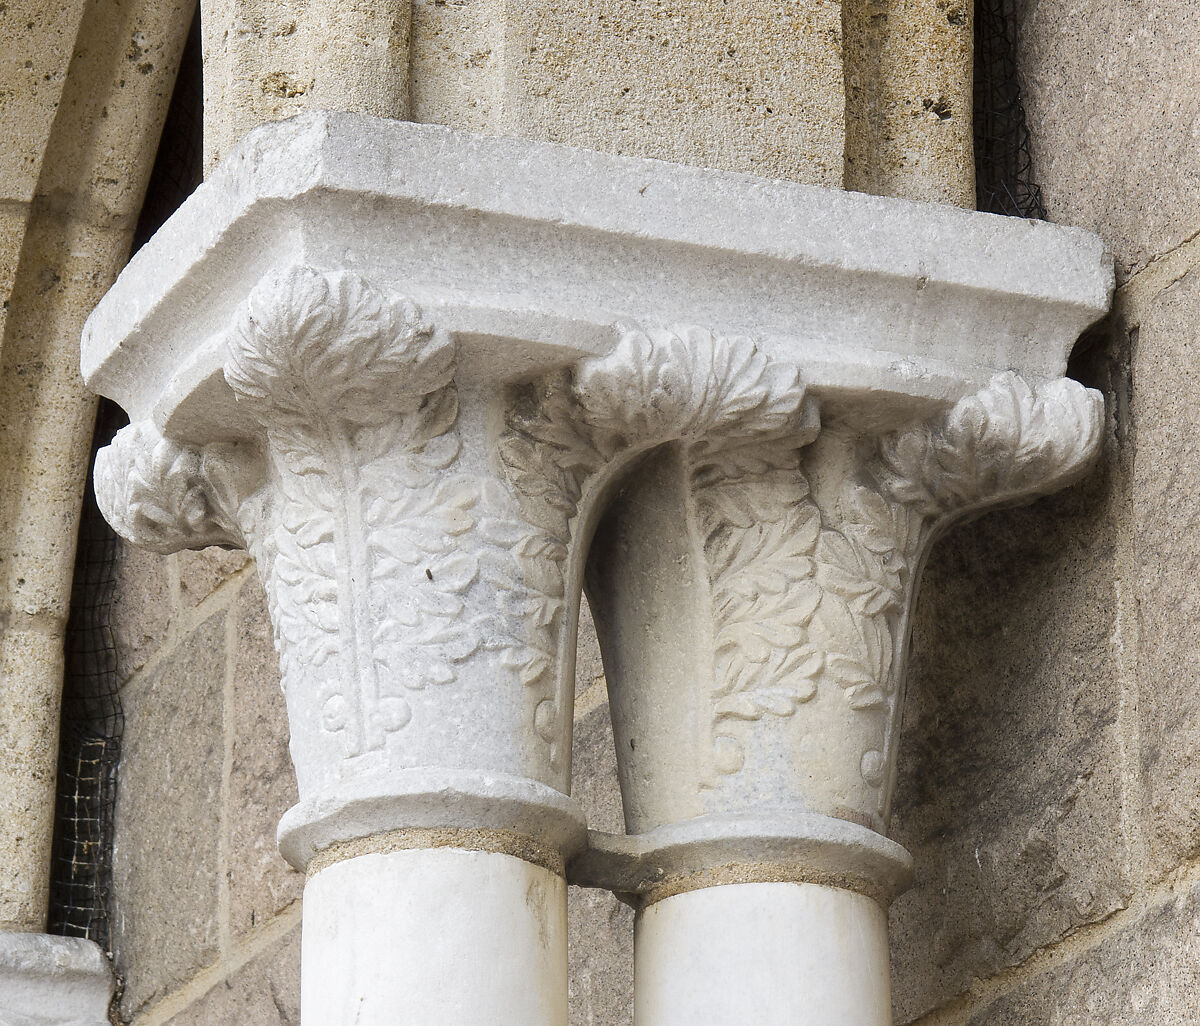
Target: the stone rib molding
pixel 436 383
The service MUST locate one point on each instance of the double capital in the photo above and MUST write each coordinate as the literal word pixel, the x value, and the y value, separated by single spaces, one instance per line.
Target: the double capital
pixel 430 469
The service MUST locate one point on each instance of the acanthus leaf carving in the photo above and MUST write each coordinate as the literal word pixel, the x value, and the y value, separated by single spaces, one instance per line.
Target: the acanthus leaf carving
pixel 760 531
pixel 1005 442
pixel 724 401
pixel 685 383
pixel 806 596
pixel 355 393
pixel 165 496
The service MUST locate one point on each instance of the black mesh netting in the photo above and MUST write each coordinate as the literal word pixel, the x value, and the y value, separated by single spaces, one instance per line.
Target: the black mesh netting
pixel 92 721
pixel 90 739
pixel 1003 163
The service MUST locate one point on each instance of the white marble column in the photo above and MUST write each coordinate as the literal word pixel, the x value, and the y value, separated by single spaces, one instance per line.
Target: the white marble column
pixel 757 744
pixel 774 954
pixel 439 935
pixel 433 381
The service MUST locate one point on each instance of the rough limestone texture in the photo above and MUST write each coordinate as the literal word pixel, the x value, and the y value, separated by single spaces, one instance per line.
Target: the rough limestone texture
pixel 600 928
pixel 1167 552
pixel 760 91
pixel 1145 971
pixel 1011 796
pixel 205 778
pixel 909 114
pixel 1095 79
pixel 168 824
pixel 203 571
pixel 262 783
pixel 265 991
pixel 266 62
pixel 143 603
pixel 32 79
pixel 457 63
pixel 754 86
pixel 83 90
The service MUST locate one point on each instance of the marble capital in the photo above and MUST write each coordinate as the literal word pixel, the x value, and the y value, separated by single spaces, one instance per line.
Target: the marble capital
pixel 439 384
pixel 53 981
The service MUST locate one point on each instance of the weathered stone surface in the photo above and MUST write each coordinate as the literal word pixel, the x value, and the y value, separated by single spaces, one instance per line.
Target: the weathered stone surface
pixel 593 760
pixel 1112 104
pixel 203 571
pixel 600 953
pixel 143 604
pixel 1166 484
pixel 908 99
pixel 756 87
pixel 589 668
pixel 83 121
pixel 594 771
pixel 1146 974
pixel 29 741
pixel 267 62
pixel 53 981
pixel 263 992
pixel 1010 793
pixel 599 927
pixel 31 83
pixel 168 820
pixel 262 783
pixel 457 63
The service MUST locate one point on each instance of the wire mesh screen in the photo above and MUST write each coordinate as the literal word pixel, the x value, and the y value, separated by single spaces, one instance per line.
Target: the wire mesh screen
pixel 1004 181
pixel 92 720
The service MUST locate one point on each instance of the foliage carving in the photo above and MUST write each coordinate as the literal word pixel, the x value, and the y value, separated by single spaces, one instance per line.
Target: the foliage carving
pixel 355 392
pixel 164 496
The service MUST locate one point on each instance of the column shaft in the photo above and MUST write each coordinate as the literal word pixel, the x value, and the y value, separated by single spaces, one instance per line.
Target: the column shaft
pixel 435 936
pixel 772 954
pixel 72 234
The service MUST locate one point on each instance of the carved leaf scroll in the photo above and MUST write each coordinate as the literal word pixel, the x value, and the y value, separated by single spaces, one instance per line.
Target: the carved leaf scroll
pixel 1007 441
pixel 685 383
pixel 164 496
pixel 355 393
pixel 760 531
pixel 725 402
pixel 827 591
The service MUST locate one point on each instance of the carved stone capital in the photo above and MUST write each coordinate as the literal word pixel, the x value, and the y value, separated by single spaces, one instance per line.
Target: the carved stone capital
pixel 785 564
pixel 438 383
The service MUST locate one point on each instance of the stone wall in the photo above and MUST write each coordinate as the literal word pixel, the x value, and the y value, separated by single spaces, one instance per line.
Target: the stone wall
pixel 1049 790
pixel 201 892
